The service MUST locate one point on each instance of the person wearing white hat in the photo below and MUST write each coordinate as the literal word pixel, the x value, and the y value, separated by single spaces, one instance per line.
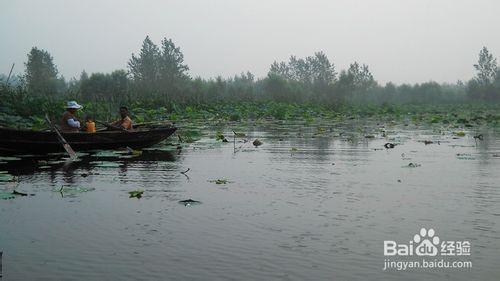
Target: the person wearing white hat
pixel 69 123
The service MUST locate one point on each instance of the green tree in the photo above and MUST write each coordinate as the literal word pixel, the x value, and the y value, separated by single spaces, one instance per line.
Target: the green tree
pixel 84 76
pixel 354 83
pixel 241 87
pixel 311 70
pixel 361 76
pixel 280 69
pixel 111 88
pixel 171 69
pixel 486 67
pixel 322 70
pixel 144 68
pixel 485 86
pixel 41 73
pixel 313 76
pixel 280 89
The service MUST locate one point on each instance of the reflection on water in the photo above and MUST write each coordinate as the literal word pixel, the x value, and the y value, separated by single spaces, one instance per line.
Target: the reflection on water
pixel 309 204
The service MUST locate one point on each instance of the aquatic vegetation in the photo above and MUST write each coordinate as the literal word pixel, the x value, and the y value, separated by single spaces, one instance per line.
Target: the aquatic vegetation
pixel 5 176
pixel 257 142
pixel 460 134
pixel 189 202
pixel 135 193
pixel 73 189
pixel 105 164
pixel 9 158
pixel 18 193
pixel 220 181
pixel 188 136
pixel 26 156
pixel 220 137
pixel 465 156
pixel 56 153
pixel 109 153
pixel 239 135
pixel 165 148
pixel 54 162
pixel 133 152
pixel 389 145
pixel 5 195
pixel 479 137
pixel 149 112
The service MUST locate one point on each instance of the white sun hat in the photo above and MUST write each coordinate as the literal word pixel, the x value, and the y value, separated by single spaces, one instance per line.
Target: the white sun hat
pixel 73 104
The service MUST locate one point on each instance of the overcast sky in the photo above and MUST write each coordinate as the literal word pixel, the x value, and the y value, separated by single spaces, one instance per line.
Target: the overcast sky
pixel 401 40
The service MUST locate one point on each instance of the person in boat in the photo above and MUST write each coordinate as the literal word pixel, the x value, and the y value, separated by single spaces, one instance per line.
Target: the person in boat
pixel 126 121
pixel 89 124
pixel 69 122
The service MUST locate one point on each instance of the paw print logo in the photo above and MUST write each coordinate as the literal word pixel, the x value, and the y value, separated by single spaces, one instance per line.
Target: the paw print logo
pixel 427 242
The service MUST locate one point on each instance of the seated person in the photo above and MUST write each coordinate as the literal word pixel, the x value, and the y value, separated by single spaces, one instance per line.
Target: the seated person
pixel 89 124
pixel 125 122
pixel 69 123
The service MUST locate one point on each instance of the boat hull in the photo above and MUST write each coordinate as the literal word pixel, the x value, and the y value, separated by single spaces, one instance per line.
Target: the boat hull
pixel 41 142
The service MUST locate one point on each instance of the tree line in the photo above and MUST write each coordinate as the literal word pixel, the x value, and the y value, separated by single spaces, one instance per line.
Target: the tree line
pixel 159 75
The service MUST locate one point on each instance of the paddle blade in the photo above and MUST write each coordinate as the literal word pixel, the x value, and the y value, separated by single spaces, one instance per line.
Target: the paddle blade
pixel 70 151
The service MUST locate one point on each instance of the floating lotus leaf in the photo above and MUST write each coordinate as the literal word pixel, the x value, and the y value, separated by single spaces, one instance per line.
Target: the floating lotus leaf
pixel 412 165
pixel 9 158
pixel 5 177
pixel 167 148
pixel 108 153
pixel 220 181
pixel 189 202
pixel 257 142
pixel 135 193
pixel 105 164
pixel 56 162
pixel 4 195
pixel 73 189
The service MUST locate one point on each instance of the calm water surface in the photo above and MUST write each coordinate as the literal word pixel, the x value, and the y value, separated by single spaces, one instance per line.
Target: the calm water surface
pixel 309 204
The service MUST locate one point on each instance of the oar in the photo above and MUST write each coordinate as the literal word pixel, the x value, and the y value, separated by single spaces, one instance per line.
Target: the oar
pixel 61 139
pixel 109 126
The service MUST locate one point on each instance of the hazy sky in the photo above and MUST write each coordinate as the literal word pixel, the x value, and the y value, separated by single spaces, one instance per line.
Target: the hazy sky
pixel 401 40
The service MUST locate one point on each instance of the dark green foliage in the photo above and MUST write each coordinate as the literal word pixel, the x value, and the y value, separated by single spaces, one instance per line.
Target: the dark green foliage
pixel 105 87
pixel 159 72
pixel 135 194
pixel 486 84
pixel 144 68
pixel 311 70
pixel 41 74
pixel 172 70
pixel 302 79
pixel 486 67
pixel 157 87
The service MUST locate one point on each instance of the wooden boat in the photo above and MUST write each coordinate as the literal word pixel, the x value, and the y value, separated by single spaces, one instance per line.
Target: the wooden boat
pixel 41 142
